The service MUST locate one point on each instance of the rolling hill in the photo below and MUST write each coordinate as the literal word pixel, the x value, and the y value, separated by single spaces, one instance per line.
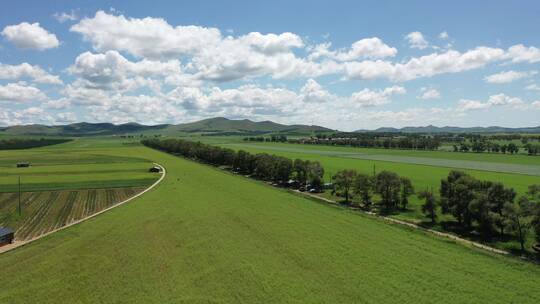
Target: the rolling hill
pixel 449 129
pixel 211 125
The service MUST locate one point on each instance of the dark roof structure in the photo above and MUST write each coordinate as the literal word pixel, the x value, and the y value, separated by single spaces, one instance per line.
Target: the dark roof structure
pixel 5 231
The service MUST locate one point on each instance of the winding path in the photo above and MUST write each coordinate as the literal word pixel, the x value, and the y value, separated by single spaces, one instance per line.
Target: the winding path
pixel 17 244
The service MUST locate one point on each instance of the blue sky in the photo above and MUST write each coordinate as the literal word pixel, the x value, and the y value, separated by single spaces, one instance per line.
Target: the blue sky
pixel 343 64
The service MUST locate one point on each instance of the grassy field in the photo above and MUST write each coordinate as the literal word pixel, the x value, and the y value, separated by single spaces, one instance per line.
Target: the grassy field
pixel 423 176
pixel 44 211
pixel 204 235
pixel 71 166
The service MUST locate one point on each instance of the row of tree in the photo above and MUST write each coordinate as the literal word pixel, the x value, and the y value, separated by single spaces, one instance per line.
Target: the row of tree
pixel 272 138
pixel 26 143
pixel 488 208
pixel 393 190
pixel 263 166
pixel 370 141
pixel 479 146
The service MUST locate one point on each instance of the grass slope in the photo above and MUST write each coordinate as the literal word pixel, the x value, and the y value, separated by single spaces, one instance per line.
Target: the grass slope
pixel 204 236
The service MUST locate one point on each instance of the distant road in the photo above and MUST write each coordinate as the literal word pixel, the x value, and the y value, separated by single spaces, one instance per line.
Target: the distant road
pixel 428 161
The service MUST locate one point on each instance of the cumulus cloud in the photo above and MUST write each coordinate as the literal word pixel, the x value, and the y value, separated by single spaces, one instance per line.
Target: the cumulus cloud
pixel 30 36
pixel 428 93
pixel 146 37
pixel 416 40
pixel 521 53
pixel 313 92
pixel 25 70
pixel 425 66
pixel 369 98
pixel 364 48
pixel 493 101
pixel 112 71
pixel 508 76
pixel 20 92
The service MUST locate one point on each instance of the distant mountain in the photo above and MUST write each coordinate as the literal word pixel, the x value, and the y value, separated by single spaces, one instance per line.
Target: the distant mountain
pixel 448 129
pixel 221 124
pixel 78 129
pixel 211 125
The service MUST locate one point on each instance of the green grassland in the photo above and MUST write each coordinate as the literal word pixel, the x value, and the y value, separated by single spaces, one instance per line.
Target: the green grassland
pixel 204 236
pixel 423 177
pixel 71 166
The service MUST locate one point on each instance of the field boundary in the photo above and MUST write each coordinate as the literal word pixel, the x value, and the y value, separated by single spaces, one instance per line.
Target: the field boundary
pixel 17 244
pixel 450 236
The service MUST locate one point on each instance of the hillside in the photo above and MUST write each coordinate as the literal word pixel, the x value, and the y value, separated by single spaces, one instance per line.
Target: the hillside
pixel 449 129
pixel 218 124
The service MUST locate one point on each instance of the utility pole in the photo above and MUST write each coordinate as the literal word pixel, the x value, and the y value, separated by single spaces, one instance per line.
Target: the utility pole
pixel 19 195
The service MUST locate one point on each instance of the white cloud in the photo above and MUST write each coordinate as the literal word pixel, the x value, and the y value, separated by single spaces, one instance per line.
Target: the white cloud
pixel 430 94
pixel 146 37
pixel 533 87
pixel 111 71
pixel 66 117
pixel 364 48
pixel 508 76
pixel 536 105
pixel 444 35
pixel 20 92
pixel 426 66
pixel 313 92
pixel 369 98
pixel 521 53
pixel 63 16
pixel 25 70
pixel 416 40
pixel 211 56
pixel 30 36
pixel 493 101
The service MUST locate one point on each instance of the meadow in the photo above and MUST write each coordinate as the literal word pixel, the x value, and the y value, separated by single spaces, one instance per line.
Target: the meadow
pixel 64 184
pixel 205 235
pixel 422 176
pixel 65 166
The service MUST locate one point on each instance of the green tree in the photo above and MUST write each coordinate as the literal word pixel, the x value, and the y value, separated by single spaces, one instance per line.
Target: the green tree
pixel 343 181
pixel 315 173
pixel 363 185
pixel 457 192
pixel 406 190
pixel 300 171
pixel 429 208
pixel 520 218
pixel 388 185
pixel 498 196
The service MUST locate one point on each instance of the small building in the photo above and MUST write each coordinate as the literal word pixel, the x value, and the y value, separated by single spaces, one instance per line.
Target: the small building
pixel 6 236
pixel 328 186
pixel 23 165
pixel 155 169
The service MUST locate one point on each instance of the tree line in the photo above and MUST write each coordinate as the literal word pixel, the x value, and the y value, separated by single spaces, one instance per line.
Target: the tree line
pixel 487 208
pixel 409 142
pixel 26 143
pixel 263 166
pixel 272 138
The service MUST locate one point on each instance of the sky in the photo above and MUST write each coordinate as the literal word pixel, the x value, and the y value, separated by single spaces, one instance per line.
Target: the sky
pixel 346 65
